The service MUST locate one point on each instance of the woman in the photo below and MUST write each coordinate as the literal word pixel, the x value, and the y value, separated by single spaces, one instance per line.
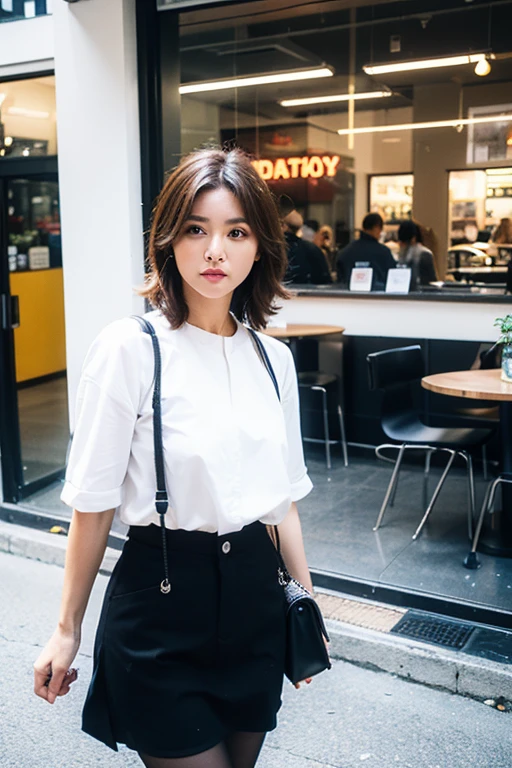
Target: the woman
pixel 324 239
pixel 188 677
pixel 413 254
pixel 503 232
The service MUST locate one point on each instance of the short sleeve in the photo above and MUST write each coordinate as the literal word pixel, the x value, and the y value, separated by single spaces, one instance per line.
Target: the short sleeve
pixel 300 482
pixel 107 406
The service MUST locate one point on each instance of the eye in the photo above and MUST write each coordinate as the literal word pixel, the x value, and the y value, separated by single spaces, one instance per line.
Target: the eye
pixel 194 230
pixel 237 233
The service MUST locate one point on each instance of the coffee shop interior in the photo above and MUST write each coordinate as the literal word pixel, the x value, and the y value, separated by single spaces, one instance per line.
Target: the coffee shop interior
pixel 402 109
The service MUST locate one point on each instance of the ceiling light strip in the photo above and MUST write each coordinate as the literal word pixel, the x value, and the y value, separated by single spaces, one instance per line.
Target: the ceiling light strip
pixel 23 112
pixel 334 98
pixel 243 82
pixel 445 61
pixel 435 124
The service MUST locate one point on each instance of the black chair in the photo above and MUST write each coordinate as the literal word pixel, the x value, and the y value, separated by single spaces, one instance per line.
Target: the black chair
pixel 395 371
pixel 327 385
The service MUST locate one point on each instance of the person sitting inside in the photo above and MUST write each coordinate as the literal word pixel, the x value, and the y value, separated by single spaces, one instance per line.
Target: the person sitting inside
pixel 306 262
pixel 366 251
pixel 415 255
pixel 503 232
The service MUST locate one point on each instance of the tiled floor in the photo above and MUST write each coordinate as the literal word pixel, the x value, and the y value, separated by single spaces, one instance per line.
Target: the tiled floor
pixel 339 514
pixel 44 427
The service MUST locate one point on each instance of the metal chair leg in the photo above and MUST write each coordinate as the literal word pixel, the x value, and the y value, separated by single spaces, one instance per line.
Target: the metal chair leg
pixel 471 492
pixel 436 494
pixel 390 486
pixel 343 436
pixel 326 424
pixel 484 462
pixel 426 474
pixel 472 562
pixel 428 457
pixel 395 486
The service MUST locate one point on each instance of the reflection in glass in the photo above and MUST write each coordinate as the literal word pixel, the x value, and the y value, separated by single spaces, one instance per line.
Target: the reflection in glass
pixel 35 266
pixel 28 125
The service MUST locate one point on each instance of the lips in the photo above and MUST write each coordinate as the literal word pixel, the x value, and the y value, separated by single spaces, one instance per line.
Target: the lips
pixel 214 275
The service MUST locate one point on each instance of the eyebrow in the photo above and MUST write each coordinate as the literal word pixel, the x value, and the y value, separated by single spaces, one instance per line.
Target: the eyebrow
pixel 238 220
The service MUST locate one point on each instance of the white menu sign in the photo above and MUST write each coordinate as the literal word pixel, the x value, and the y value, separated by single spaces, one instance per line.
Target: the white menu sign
pixel 361 279
pixel 39 257
pixel 399 280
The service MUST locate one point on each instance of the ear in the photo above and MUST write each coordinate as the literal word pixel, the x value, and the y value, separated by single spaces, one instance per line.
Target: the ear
pixel 257 257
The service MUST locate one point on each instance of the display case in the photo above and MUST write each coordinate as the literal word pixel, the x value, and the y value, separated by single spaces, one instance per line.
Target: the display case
pixel 391 196
pixel 478 201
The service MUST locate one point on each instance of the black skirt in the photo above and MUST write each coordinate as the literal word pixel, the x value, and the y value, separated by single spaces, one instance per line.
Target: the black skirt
pixel 175 673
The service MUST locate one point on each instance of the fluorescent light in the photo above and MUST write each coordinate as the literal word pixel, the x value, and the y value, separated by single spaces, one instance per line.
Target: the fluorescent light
pixel 334 98
pixel 242 82
pixel 22 112
pixel 433 124
pixel 405 66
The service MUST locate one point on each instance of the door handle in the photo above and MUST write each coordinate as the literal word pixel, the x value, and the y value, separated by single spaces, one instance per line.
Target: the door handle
pixel 10 309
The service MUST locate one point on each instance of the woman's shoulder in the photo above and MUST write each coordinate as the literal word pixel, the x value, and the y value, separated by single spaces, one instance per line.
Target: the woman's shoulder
pixel 276 346
pixel 279 354
pixel 127 332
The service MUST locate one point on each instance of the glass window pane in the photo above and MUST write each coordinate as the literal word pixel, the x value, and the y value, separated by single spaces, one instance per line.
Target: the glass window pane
pixel 28 125
pixel 16 10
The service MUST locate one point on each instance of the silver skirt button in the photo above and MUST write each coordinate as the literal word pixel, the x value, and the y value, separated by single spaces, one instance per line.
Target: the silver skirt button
pixel 226 547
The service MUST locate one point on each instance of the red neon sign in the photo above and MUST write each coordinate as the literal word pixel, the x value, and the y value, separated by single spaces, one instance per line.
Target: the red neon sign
pixel 308 166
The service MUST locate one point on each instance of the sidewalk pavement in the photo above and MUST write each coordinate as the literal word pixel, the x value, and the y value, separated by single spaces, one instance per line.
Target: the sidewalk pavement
pixel 359 631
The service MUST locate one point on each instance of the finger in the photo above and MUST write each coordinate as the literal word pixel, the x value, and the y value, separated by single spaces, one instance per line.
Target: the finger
pixel 41 676
pixel 56 681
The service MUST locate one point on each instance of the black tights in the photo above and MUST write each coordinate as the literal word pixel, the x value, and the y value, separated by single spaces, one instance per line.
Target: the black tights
pixel 239 750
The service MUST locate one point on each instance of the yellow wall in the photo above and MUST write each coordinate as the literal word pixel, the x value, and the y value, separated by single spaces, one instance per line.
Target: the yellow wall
pixel 40 340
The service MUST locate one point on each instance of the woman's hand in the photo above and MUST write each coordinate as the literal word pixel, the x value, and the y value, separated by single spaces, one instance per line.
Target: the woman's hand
pixel 52 673
pixel 309 679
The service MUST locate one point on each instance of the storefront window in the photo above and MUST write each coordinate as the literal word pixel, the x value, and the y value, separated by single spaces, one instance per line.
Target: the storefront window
pixel 15 10
pixel 277 81
pixel 28 124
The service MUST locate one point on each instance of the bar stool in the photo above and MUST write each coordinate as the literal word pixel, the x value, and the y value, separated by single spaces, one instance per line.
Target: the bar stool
pixel 326 384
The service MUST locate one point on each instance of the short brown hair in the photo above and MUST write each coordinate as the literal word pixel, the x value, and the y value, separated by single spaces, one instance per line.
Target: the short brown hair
pixel 206 169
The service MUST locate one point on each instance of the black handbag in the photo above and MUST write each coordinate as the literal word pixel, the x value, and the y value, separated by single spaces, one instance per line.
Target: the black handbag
pixel 306 653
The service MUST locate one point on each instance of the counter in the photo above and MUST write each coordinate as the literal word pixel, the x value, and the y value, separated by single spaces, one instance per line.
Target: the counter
pixel 458 314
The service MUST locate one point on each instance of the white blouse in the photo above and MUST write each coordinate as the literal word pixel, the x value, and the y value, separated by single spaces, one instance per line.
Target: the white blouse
pixel 233 452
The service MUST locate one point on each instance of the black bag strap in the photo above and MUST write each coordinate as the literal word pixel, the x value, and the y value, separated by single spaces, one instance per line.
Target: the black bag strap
pixel 161 497
pixel 265 359
pixel 284 576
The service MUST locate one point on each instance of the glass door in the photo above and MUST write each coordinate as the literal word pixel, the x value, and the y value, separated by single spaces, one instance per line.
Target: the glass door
pixel 35 429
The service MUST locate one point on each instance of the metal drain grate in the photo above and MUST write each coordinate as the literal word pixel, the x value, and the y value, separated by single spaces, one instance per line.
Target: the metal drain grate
pixel 434 629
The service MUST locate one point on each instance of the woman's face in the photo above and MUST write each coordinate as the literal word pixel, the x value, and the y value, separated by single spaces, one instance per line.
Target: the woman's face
pixel 217 248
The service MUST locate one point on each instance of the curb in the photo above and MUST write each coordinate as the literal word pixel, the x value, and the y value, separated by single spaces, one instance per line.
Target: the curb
pixel 436 667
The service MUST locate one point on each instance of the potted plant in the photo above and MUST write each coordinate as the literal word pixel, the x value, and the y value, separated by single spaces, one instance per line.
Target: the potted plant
pixel 505 326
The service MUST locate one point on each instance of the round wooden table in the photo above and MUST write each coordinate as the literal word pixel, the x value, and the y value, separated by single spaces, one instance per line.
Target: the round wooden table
pixel 297 331
pixel 487 385
pixel 300 331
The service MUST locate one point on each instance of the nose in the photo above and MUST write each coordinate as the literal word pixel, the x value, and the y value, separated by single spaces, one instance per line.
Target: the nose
pixel 215 249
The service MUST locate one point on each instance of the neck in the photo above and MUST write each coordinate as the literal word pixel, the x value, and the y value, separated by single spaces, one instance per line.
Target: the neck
pixel 210 315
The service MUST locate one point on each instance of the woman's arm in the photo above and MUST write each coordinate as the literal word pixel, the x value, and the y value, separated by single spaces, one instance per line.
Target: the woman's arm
pixel 292 547
pixel 87 541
